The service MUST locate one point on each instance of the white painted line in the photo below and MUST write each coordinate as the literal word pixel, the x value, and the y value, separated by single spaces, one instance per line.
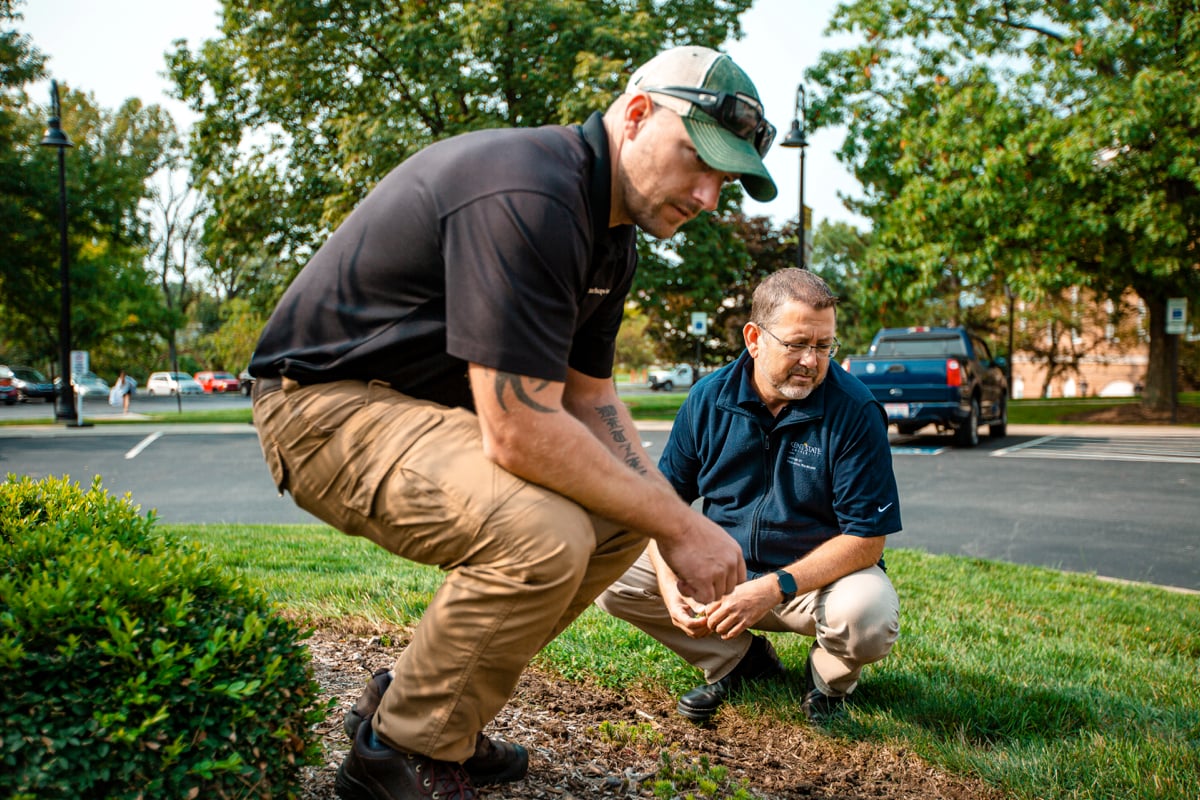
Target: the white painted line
pixel 1016 447
pixel 143 444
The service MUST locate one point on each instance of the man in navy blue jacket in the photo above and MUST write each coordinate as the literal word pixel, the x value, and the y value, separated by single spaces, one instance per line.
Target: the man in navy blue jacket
pixel 791 456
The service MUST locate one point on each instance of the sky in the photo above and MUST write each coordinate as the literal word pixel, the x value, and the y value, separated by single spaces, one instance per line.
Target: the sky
pixel 115 50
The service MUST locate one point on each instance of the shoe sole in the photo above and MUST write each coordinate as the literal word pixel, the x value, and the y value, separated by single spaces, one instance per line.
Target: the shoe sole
pixel 696 715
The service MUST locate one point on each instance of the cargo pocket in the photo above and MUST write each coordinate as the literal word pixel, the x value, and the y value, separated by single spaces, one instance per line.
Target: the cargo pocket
pixel 378 437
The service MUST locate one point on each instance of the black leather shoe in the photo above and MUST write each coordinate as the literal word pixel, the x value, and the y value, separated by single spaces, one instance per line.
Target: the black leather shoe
pixel 760 663
pixel 817 706
pixel 494 761
pixel 374 771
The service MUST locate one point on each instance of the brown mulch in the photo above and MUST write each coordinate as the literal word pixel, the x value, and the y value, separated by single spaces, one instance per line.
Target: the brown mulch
pixel 571 758
pixel 1137 414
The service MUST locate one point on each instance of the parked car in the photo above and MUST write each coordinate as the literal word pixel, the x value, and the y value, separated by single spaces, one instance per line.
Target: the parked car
pixel 944 377
pixel 171 383
pixel 88 383
pixel 32 385
pixel 8 392
pixel 246 382
pixel 216 381
pixel 667 378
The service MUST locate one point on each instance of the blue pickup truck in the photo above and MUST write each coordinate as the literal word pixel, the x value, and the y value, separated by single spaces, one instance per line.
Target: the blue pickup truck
pixel 945 377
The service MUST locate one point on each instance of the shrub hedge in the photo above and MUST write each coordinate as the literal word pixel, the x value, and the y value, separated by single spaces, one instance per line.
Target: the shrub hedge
pixel 133 666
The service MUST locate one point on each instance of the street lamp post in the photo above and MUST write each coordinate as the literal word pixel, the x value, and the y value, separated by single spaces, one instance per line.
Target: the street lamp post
pixel 796 138
pixel 55 137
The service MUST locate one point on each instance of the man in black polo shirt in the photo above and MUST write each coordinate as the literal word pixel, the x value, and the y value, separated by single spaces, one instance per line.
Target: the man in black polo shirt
pixel 438 380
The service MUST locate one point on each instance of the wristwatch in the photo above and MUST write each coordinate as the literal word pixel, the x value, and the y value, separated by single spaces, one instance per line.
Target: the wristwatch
pixel 787 585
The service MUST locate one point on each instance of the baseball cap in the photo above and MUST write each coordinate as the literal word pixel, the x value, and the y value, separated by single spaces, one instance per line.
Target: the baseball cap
pixel 720 110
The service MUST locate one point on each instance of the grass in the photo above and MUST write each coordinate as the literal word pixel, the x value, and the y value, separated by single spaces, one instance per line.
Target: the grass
pixel 1044 684
pixel 653 406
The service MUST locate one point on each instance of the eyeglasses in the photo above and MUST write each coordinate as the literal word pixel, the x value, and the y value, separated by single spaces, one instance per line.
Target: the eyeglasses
pixel 740 114
pixel 801 350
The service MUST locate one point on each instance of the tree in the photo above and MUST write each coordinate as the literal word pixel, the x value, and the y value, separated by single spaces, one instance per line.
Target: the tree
pixel 1026 145
pixel 838 252
pixel 305 106
pixel 113 307
pixel 179 213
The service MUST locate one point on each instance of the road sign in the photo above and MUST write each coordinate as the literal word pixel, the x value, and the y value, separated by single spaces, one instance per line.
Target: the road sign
pixel 699 323
pixel 1176 315
pixel 79 362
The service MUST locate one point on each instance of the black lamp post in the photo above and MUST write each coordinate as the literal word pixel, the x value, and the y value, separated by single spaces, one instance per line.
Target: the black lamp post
pixel 796 138
pixel 55 137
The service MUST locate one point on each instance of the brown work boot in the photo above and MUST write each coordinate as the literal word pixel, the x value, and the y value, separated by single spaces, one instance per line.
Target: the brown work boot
pixel 367 702
pixel 494 760
pixel 374 771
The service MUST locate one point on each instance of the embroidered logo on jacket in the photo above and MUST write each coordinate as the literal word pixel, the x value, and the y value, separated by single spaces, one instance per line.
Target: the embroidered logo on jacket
pixel 804 455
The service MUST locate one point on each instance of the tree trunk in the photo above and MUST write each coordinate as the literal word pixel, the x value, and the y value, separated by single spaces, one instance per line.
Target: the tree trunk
pixel 1158 385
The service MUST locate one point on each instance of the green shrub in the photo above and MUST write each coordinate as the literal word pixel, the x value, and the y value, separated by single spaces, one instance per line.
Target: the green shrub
pixel 133 666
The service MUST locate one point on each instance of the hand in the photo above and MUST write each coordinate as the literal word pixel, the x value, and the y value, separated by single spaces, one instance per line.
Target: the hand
pixel 745 605
pixel 686 614
pixel 707 561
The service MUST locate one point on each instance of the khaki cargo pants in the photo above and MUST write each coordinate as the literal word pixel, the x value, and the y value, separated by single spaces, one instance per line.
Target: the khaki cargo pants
pixel 521 562
pixel 855 621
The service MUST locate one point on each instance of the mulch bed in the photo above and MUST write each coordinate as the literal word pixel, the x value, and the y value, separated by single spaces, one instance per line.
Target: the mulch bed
pixel 560 724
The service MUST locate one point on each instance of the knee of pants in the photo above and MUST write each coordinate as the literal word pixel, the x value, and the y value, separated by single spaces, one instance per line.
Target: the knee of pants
pixel 867 623
pixel 549 541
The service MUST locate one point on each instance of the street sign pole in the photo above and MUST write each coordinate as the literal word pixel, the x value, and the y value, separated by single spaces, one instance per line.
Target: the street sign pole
pixel 1176 326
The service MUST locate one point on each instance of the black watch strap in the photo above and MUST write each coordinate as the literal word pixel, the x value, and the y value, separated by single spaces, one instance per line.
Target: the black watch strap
pixel 787 584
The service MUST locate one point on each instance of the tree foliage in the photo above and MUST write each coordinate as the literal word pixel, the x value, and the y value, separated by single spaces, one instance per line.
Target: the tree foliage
pixel 108 172
pixel 305 106
pixel 1026 145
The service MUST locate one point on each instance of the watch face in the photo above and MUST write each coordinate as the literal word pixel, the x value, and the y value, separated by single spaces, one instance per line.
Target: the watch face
pixel 787 584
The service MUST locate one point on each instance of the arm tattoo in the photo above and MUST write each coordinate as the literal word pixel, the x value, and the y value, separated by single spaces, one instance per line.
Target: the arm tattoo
pixel 517 382
pixel 608 414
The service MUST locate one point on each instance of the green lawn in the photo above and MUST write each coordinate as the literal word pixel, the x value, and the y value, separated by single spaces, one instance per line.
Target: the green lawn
pixel 1047 685
pixel 659 406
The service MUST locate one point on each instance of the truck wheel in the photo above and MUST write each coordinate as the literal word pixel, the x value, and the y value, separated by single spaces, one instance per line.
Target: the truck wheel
pixel 666 386
pixel 968 434
pixel 999 428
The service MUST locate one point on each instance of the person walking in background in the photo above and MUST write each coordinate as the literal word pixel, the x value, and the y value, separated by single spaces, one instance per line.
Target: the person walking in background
pixel 791 456
pixel 437 379
pixel 121 392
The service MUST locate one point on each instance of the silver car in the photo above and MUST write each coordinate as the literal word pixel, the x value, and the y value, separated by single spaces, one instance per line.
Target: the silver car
pixel 171 383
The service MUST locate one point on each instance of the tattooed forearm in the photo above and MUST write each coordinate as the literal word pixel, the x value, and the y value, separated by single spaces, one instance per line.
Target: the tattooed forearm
pixel 624 446
pixel 518 383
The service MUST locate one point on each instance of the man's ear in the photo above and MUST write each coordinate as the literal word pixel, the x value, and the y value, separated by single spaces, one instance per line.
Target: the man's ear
pixel 637 111
pixel 752 337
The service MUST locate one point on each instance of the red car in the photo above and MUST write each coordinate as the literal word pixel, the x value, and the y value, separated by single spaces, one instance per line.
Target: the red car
pixel 8 391
pixel 216 381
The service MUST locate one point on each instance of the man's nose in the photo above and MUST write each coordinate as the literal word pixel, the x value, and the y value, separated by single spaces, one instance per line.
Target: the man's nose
pixel 708 191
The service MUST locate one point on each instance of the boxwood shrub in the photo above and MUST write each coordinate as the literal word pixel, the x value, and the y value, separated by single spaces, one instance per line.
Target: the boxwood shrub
pixel 133 666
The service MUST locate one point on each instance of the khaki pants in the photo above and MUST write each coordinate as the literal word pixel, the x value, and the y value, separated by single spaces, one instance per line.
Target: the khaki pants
pixel 521 562
pixel 855 620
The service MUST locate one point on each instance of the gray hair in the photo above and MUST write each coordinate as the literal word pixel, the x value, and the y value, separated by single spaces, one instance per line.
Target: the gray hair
pixel 785 286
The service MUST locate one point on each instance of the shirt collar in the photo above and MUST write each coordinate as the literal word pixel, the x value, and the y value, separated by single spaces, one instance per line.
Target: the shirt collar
pixel 745 396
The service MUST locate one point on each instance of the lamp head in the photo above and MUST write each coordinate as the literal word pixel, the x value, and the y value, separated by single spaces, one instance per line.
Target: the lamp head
pixel 54 136
pixel 795 136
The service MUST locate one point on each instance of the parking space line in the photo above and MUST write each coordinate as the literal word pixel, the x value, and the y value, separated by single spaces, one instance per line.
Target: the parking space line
pixel 1032 443
pixel 1163 450
pixel 143 444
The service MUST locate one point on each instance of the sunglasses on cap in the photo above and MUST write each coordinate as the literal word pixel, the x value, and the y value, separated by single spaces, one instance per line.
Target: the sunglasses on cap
pixel 740 114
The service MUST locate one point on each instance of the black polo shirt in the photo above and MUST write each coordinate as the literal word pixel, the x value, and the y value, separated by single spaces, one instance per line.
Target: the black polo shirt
pixel 492 247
